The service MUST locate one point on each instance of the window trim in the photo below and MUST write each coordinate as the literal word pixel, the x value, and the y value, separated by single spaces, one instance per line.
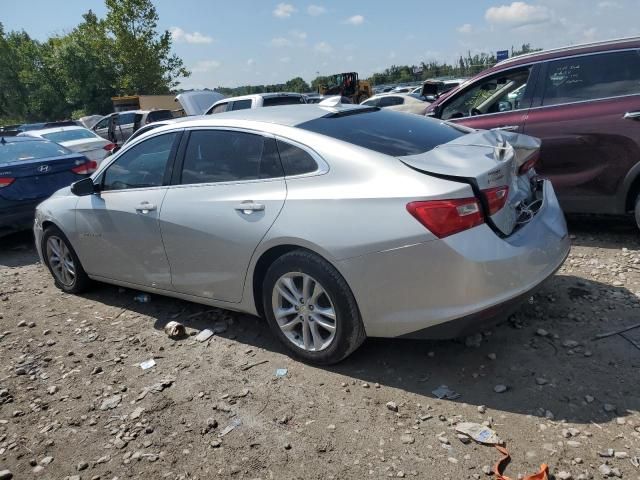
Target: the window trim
pixel 168 171
pixel 540 93
pixel 176 176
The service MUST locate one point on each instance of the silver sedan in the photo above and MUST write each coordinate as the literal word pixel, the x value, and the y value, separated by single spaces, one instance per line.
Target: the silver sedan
pixel 332 222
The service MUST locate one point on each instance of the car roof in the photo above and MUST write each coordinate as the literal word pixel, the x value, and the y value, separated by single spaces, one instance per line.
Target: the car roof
pixel 44 131
pixel 593 47
pixel 256 95
pixel 287 115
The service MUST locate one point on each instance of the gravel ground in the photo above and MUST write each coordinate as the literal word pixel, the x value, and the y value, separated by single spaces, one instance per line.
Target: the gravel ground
pixel 75 403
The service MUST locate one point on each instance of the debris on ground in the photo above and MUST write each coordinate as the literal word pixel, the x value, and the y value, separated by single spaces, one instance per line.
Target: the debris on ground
pixel 281 372
pixel 479 433
pixel 204 335
pixel 236 422
pixel 147 364
pixel 142 298
pixel 175 329
pixel 444 392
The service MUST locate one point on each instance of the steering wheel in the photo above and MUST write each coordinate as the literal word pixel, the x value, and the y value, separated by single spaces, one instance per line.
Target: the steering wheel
pixel 474 111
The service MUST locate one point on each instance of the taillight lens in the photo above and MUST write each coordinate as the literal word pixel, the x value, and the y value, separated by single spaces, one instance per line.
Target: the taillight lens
pixel 86 168
pixel 529 164
pixel 6 181
pixel 109 146
pixel 446 217
pixel 496 198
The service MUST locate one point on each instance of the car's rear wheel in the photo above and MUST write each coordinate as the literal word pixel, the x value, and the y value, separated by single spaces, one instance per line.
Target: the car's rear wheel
pixel 636 211
pixel 62 261
pixel 311 309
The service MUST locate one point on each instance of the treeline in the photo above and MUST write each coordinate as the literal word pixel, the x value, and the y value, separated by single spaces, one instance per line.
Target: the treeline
pixel 77 73
pixel 464 67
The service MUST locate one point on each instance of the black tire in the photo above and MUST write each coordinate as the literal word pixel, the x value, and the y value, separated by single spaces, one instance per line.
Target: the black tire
pixel 81 281
pixel 636 211
pixel 349 333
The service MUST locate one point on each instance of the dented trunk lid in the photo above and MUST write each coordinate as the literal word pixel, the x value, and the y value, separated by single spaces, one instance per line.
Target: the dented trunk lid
pixel 486 159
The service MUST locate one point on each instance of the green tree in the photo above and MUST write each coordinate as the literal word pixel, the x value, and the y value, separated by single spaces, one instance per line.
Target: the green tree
pixel 142 56
pixel 297 85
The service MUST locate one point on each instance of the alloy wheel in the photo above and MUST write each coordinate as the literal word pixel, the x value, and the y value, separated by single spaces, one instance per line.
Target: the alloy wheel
pixel 61 261
pixel 304 312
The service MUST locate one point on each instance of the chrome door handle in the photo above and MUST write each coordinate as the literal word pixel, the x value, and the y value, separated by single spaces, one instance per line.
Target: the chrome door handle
pixel 248 207
pixel 146 207
pixel 508 128
pixel 632 115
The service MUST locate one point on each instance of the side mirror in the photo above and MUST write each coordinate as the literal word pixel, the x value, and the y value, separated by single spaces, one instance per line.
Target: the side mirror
pixel 84 187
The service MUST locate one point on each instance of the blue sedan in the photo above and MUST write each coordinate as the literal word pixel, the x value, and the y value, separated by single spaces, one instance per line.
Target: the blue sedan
pixel 31 169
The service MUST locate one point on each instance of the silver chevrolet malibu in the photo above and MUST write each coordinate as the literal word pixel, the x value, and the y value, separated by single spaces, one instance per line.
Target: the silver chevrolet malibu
pixel 333 222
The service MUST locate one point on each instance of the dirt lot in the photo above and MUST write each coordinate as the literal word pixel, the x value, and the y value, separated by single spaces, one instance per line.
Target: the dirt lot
pixel 75 403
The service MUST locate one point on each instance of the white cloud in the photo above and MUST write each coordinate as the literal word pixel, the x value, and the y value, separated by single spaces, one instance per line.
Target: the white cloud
pixel 349 58
pixel 355 20
pixel 251 62
pixel 466 28
pixel 608 4
pixel 323 47
pixel 299 35
pixel 285 59
pixel 392 55
pixel 283 10
pixel 205 66
pixel 179 35
pixel 279 42
pixel 315 10
pixel 518 14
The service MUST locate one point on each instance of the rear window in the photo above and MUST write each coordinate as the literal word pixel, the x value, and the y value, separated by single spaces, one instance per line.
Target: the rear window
pixel 392 133
pixel 286 100
pixel 30 150
pixel 159 115
pixel 69 135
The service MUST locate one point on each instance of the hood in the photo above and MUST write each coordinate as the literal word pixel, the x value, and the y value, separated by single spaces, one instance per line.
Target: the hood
pixel 198 102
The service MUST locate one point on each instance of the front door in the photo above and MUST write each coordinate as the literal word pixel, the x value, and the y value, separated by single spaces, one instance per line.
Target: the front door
pixel 588 120
pixel 118 229
pixel 497 101
pixel 230 191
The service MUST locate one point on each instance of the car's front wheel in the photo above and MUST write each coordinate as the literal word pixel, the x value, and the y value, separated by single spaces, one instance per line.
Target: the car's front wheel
pixel 62 261
pixel 311 309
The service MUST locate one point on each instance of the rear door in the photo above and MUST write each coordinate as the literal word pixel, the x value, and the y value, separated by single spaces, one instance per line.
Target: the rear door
pixel 118 229
pixel 587 115
pixel 492 102
pixel 229 190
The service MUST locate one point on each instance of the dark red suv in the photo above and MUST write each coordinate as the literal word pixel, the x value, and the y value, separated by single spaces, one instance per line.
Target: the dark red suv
pixel 583 102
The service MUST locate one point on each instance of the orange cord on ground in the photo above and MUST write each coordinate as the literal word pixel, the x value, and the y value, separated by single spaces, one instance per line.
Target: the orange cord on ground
pixel 501 464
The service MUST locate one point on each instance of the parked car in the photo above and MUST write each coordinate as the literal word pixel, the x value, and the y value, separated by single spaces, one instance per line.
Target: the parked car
pixel 583 102
pixel 257 100
pixel 402 89
pixel 76 139
pixel 335 223
pixel 31 169
pixel 89 121
pixel 401 102
pixel 196 102
pixel 119 126
pixel 433 88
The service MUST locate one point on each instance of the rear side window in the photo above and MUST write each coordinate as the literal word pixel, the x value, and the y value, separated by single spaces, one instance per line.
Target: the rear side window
pixel 385 131
pixel 286 100
pixel 70 135
pixel 592 77
pixel 228 156
pixel 375 102
pixel 241 105
pixel 295 160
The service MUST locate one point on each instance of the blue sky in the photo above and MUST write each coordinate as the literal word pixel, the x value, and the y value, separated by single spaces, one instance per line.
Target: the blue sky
pixel 254 42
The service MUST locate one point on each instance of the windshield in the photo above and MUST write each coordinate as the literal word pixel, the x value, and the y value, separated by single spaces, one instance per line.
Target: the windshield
pixel 69 135
pixel 284 100
pixel 30 150
pixel 384 131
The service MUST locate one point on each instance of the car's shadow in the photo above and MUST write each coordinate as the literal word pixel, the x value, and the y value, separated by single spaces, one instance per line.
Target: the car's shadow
pixel 17 249
pixel 605 370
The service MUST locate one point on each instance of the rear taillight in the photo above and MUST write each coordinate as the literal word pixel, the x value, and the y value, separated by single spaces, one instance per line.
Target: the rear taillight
pixel 6 181
pixel 496 198
pixel 109 146
pixel 446 217
pixel 85 168
pixel 529 164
